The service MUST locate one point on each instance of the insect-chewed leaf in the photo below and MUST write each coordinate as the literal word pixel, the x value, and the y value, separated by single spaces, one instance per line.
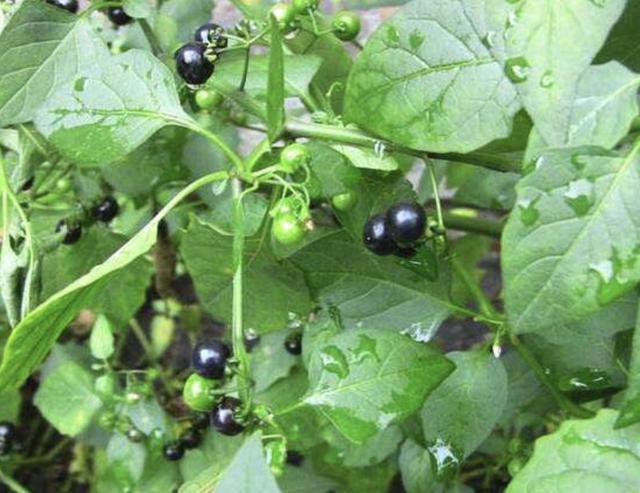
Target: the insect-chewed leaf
pixel 102 115
pixel 365 380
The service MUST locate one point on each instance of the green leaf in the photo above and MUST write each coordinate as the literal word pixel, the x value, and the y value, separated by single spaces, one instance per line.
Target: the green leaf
pixel 305 480
pixel 547 77
pixel 269 361
pixel 365 380
pixel 181 18
pixel 427 80
pixel 273 289
pixel 101 340
pixel 371 291
pixel 583 455
pixel 275 83
pixel 9 405
pixel 67 400
pixel 630 411
pixel 204 465
pixel 417 469
pixel 103 114
pixel 482 187
pixel 624 39
pixel 464 409
pixel 33 67
pixel 373 451
pixel 138 9
pixel 126 457
pixel 571 244
pixel 36 334
pixel 366 158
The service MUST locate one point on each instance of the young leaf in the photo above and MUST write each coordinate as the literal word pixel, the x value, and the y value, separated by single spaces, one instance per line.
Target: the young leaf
pixel 371 291
pixel 585 455
pixel 33 66
pixel 67 399
pixel 427 80
pixel 630 412
pixel 32 339
pixel 101 340
pixel 273 289
pixel 571 244
pixel 546 77
pixel 464 409
pixel 365 380
pixel 101 115
pixel 275 83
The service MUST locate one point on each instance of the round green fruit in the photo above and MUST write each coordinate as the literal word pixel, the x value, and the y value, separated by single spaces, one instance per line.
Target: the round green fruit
pixel 207 99
pixel 288 230
pixel 346 25
pixel 284 15
pixel 198 393
pixel 344 201
pixel 293 157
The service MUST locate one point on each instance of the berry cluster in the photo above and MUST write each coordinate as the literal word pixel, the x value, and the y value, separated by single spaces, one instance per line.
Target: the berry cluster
pixel 71 229
pixel 345 25
pixel 8 437
pixel 195 60
pixel 397 231
pixel 117 15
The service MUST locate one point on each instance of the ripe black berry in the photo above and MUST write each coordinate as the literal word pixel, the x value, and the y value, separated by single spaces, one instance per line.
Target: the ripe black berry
pixel 72 231
pixel 200 421
pixel 210 358
pixel 406 222
pixel 192 63
pixel 173 451
pixel 376 236
pixel 118 16
pixel 28 184
pixel 223 417
pixel 212 34
pixel 70 5
pixel 106 210
pixel 293 343
pixel 191 438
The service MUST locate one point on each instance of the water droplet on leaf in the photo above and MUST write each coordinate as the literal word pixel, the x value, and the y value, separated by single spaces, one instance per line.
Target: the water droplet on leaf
pixel 445 460
pixel 416 38
pixel 393 36
pixel 616 275
pixel 488 40
pixel 579 161
pixel 585 379
pixel 579 196
pixel 517 69
pixel 334 361
pixel 528 212
pixel 547 80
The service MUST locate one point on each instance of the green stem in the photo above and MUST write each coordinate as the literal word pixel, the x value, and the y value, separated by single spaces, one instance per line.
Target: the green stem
pixel 235 159
pixel 245 69
pixel 563 402
pixel 12 483
pixel 151 37
pixel 298 128
pixel 478 225
pixel 484 303
pixel 436 193
pixel 237 325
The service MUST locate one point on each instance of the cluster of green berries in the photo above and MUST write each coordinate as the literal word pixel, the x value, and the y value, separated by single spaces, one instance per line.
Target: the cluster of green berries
pixel 195 60
pixel 104 211
pixel 8 438
pixel 396 231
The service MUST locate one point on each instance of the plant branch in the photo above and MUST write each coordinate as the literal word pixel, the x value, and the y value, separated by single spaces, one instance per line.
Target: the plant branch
pixel 484 303
pixel 12 484
pixel 478 225
pixel 563 402
pixel 151 37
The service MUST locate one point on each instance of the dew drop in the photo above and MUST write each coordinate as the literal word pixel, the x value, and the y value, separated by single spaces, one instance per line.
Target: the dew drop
pixel 79 84
pixel 334 361
pixel 517 69
pixel 579 196
pixel 528 212
pixel 547 80
pixel 585 379
pixel 579 161
pixel 615 275
pixel 367 348
pixel 416 38
pixel 393 36
pixel 489 39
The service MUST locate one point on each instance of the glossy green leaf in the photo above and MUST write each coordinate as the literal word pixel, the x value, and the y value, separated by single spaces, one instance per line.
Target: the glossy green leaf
pixel 624 39
pixel 10 405
pixel 101 115
pixel 201 467
pixel 464 409
pixel 365 380
pixel 428 80
pixel 36 334
pixel 373 451
pixel 371 291
pixel 417 469
pixel 630 411
pixel 127 457
pixel 546 77
pixel 275 83
pixel 305 480
pixel 583 455
pixel 273 289
pixel 571 244
pixel 42 48
pixel 67 399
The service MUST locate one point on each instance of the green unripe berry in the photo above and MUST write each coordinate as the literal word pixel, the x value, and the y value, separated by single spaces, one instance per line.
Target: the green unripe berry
pixel 304 6
pixel 198 393
pixel 293 157
pixel 107 420
pixel 207 99
pixel 344 201
pixel 346 25
pixel 284 15
pixel 288 230
pixel 105 386
pixel 63 185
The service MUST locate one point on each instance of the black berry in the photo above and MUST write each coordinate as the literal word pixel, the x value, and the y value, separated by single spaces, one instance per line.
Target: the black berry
pixel 192 63
pixel 406 222
pixel 251 339
pixel 106 210
pixel 406 252
pixel 212 34
pixel 72 231
pixel 293 343
pixel 210 358
pixel 70 5
pixel 173 451
pixel 28 184
pixel 376 236
pixel 224 419
pixel 191 438
pixel 200 421
pixel 294 458
pixel 118 16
